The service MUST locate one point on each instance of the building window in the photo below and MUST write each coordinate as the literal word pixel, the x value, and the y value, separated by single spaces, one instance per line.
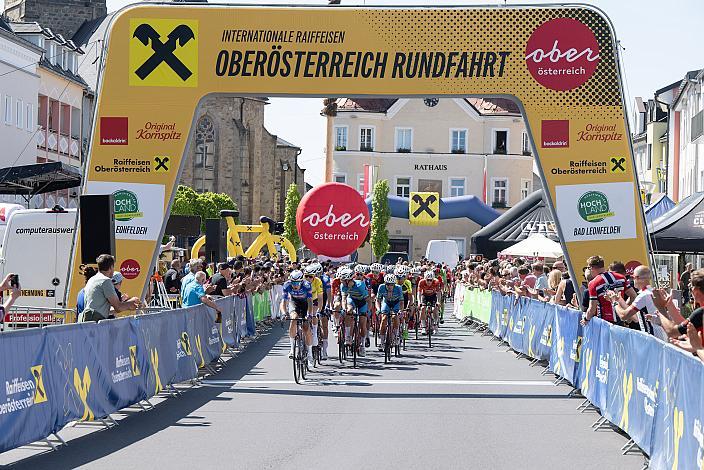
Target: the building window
pixel 366 139
pixel 649 157
pixel 458 141
pixel 461 244
pixel 19 111
pixel 340 178
pixel 29 118
pixel 499 192
pixel 8 110
pixel 525 145
pixel 341 138
pixel 456 187
pixel 403 187
pixel 501 142
pixel 52 52
pixel 404 140
pixel 526 188
pixel 204 174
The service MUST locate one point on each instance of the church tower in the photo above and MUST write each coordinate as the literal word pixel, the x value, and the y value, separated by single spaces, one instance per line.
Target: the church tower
pixel 61 16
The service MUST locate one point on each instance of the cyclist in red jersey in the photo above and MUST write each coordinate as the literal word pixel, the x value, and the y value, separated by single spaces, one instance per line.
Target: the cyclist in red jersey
pixel 599 303
pixel 429 289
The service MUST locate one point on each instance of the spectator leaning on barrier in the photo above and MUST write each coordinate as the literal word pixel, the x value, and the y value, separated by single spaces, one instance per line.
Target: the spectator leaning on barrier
pixel 195 294
pixel 117 279
pixel 684 333
pixel 604 281
pixel 642 313
pixel 221 280
pixel 193 267
pixel 100 293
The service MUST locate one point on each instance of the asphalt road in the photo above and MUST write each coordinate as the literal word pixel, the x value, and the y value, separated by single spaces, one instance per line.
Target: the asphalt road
pixel 466 403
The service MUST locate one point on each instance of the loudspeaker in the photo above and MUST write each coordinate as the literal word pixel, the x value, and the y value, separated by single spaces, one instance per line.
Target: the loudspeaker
pixel 215 240
pixel 97 226
pixel 183 225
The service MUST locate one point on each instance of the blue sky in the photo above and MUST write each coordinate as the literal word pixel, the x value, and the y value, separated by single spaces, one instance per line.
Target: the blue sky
pixel 661 40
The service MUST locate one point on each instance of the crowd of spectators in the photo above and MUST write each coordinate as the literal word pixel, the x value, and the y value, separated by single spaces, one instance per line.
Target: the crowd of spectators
pixel 610 293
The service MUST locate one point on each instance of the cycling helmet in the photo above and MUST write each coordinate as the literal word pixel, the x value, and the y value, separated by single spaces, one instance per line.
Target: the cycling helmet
pixel 429 275
pixel 390 279
pixel 295 276
pixel 416 271
pixel 318 269
pixel 377 268
pixel 345 274
pixel 310 269
pixel 360 269
pixel 399 271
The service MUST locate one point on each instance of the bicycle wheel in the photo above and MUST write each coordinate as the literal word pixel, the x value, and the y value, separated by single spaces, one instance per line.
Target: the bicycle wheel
pixel 430 329
pixel 303 361
pixel 375 325
pixel 416 322
pixel 341 342
pixel 295 360
pixel 355 343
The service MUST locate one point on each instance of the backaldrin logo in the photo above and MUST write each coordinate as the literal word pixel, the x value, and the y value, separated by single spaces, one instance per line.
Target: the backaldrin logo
pixel 163 53
pixel 114 131
pixel 555 134
pixel 562 54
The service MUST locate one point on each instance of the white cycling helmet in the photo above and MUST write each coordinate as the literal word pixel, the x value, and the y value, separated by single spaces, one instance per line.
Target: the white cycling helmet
pixel 377 268
pixel 345 274
pixel 390 279
pixel 360 269
pixel 310 269
pixel 399 272
pixel 429 275
pixel 295 276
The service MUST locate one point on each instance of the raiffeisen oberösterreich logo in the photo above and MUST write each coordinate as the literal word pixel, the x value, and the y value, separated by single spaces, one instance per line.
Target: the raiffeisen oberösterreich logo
pixel 562 54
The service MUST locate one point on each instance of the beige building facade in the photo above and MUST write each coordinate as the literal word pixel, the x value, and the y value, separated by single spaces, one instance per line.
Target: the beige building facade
pixel 440 145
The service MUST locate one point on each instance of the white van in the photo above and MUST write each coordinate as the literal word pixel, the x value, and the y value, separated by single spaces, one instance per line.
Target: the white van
pixel 443 251
pixel 37 246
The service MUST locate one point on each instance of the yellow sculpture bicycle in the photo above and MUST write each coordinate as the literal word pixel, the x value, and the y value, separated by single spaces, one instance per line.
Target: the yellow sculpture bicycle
pixel 269 235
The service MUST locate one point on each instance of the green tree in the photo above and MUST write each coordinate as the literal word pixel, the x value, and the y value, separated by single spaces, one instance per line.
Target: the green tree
pixel 293 198
pixel 381 214
pixel 206 205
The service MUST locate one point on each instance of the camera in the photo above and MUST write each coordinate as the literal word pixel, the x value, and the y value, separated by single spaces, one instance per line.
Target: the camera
pixel 15 280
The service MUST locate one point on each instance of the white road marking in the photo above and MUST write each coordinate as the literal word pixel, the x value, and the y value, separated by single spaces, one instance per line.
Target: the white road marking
pixel 510 383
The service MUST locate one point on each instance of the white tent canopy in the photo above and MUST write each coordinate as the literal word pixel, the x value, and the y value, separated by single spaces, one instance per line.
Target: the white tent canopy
pixel 535 246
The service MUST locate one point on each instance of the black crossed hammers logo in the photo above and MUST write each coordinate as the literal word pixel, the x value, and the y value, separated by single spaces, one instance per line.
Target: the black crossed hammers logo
pixel 163 51
pixel 161 163
pixel 424 206
pixel 618 164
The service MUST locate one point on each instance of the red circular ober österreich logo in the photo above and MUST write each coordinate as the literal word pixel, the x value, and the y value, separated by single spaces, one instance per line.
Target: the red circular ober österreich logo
pixel 631 266
pixel 562 54
pixel 130 269
pixel 332 220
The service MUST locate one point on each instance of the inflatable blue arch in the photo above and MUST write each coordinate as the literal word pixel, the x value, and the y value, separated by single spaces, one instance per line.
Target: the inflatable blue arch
pixel 470 207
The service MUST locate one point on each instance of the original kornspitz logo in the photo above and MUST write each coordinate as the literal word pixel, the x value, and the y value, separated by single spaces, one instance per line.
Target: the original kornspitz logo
pixel 126 205
pixel 593 206
pixel 562 54
pixel 164 53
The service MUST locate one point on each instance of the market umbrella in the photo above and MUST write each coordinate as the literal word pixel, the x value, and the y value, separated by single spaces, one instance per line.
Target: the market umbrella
pixel 537 246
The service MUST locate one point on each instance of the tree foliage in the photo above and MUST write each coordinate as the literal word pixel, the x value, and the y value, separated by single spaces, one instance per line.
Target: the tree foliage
pixel 293 199
pixel 381 214
pixel 206 205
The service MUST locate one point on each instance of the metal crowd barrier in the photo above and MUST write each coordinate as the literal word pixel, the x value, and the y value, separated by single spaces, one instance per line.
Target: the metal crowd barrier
pixel 25 316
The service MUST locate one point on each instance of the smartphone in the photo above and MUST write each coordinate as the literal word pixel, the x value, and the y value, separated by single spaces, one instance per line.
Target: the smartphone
pixel 15 280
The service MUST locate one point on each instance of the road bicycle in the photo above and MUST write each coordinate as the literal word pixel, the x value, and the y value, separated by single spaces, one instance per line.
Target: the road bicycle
pixel 300 353
pixel 318 350
pixel 353 348
pixel 429 322
pixel 390 342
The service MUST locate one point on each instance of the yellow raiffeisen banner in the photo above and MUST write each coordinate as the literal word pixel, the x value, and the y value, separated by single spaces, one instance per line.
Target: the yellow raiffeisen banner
pixel 424 208
pixel 559 63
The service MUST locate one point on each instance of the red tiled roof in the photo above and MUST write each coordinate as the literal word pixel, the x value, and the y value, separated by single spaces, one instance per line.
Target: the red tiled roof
pixel 369 105
pixel 494 105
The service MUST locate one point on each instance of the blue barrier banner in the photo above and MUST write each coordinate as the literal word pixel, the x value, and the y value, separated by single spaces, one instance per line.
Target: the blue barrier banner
pixel 29 397
pixel 586 378
pixel 567 344
pixel 80 382
pixel 497 306
pixel 678 437
pixel 241 315
pixel 124 359
pixel 534 326
pixel 516 324
pixel 227 327
pixel 507 308
pixel 600 388
pixel 544 347
pixel 204 334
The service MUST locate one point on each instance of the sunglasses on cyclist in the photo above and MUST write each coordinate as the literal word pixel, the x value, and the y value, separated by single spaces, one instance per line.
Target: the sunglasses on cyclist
pixel 296 283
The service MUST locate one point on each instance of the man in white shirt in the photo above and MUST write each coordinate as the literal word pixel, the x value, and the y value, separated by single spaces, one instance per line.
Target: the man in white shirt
pixel 640 314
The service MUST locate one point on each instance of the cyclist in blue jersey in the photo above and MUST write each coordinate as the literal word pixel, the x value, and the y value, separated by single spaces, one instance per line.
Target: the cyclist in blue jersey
pixel 297 302
pixel 389 298
pixel 357 298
